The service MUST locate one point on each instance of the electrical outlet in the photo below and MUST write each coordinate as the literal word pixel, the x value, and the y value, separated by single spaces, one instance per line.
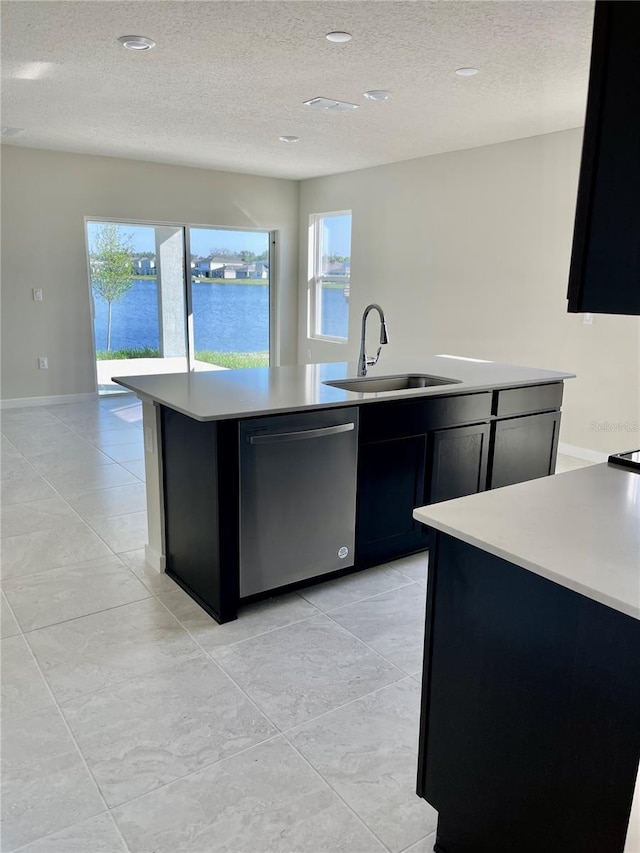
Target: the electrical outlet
pixel 43 362
pixel 37 294
pixel 148 440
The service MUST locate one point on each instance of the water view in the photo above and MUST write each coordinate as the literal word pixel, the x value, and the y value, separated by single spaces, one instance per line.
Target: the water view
pixel 227 317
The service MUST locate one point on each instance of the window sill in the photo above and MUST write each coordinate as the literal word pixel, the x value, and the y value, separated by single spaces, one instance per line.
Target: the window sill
pixel 328 340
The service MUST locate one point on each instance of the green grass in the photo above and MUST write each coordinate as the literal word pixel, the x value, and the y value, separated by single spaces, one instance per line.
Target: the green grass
pixel 234 359
pixel 136 352
pixel 221 359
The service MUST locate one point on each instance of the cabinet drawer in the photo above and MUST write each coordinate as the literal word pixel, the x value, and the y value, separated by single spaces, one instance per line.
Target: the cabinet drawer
pixel 383 421
pixel 522 401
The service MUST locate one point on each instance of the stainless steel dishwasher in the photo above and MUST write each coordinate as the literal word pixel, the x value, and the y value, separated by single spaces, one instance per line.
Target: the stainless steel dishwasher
pixel 297 497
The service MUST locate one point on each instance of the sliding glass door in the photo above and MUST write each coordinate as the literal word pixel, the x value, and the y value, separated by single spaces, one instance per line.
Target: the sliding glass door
pixel 154 311
pixel 137 279
pixel 230 297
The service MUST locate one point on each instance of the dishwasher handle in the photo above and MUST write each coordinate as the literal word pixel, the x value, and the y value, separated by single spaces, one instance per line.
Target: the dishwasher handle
pixel 300 435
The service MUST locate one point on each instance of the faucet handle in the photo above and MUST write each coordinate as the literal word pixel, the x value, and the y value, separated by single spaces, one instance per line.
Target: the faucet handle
pixel 372 361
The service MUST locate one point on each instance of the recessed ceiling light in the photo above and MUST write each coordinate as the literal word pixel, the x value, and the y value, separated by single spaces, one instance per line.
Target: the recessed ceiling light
pixel 136 42
pixel 338 37
pixel 466 72
pixel 10 131
pixel 378 95
pixel 289 138
pixel 330 104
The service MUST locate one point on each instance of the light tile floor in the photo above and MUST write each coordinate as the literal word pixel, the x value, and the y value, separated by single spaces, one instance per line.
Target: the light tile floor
pixel 133 722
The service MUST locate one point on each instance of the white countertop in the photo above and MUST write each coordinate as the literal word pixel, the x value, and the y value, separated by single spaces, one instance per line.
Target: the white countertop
pixel 221 394
pixel 580 529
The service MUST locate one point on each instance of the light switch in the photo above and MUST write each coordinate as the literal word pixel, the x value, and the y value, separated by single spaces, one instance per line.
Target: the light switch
pixel 37 294
pixel 43 362
pixel 587 319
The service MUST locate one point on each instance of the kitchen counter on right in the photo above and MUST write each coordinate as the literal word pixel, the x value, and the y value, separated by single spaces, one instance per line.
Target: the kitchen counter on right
pixel 530 720
pixel 580 529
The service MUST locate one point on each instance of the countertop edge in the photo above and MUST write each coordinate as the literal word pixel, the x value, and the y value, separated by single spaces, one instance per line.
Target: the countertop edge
pixel 353 398
pixel 543 572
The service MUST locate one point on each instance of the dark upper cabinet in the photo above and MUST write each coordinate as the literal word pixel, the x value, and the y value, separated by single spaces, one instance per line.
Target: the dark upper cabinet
pixel 605 261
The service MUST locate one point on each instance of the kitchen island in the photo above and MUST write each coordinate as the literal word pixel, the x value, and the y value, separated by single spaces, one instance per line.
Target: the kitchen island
pixel 530 725
pixel 483 425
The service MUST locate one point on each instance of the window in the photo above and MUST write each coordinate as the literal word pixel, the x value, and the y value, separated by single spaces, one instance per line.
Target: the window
pixel 170 298
pixel 330 274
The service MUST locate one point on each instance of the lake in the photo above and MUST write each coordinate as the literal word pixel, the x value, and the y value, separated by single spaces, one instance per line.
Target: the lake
pixel 227 317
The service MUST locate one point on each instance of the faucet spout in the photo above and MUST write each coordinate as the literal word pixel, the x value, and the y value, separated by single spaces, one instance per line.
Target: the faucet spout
pixel 364 361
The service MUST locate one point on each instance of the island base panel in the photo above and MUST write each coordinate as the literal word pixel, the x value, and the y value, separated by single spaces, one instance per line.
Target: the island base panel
pixel 200 470
pixel 530 727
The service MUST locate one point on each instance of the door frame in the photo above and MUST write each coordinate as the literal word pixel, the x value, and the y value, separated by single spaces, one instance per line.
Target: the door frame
pixel 274 325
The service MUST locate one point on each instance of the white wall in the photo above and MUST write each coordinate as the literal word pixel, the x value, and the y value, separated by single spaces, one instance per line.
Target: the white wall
pixel 45 197
pixel 468 253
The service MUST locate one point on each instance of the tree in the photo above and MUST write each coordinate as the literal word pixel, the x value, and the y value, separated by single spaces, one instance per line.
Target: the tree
pixel 111 270
pixel 247 257
pixel 223 253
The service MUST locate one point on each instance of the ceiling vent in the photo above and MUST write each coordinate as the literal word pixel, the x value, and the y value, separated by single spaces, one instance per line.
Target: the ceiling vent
pixel 330 104
pixel 10 131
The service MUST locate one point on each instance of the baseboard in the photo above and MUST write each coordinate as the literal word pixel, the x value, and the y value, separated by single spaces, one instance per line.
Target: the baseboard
pixel 19 402
pixel 154 559
pixel 582 452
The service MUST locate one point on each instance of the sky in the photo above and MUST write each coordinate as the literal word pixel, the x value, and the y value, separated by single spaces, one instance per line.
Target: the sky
pixel 203 240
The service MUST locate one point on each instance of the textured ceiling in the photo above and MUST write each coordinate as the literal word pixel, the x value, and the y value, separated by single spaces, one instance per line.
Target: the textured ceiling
pixel 227 78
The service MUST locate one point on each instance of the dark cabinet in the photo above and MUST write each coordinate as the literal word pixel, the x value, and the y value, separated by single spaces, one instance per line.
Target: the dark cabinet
pixel 458 462
pixel 398 443
pixel 524 448
pixel 424 451
pixel 530 710
pixel 410 453
pixel 605 261
pixel 390 485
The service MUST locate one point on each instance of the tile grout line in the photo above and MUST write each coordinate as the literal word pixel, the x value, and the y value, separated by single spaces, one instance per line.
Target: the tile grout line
pixel 161 787
pixel 431 835
pixel 404 677
pixel 330 786
pixel 119 831
pixel 15 619
pixel 92 613
pixel 73 740
pixel 222 669
pixel 371 649
pixel 84 521
pixel 80 518
pixel 404 585
pixel 346 704
pixel 62 703
pixel 278 732
pixel 357 601
pixel 52 834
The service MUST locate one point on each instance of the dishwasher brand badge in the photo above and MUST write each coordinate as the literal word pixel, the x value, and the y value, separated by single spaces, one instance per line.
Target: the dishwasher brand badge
pixel 343 552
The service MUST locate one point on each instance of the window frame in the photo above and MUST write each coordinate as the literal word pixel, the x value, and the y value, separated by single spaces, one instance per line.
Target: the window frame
pixel 317 279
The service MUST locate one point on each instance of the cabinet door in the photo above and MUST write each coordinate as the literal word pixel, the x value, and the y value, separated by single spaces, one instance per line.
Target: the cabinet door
pixel 605 262
pixel 390 486
pixel 524 449
pixel 458 462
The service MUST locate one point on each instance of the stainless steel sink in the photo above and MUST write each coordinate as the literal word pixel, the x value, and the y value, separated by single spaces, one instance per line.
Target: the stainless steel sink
pixel 403 382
